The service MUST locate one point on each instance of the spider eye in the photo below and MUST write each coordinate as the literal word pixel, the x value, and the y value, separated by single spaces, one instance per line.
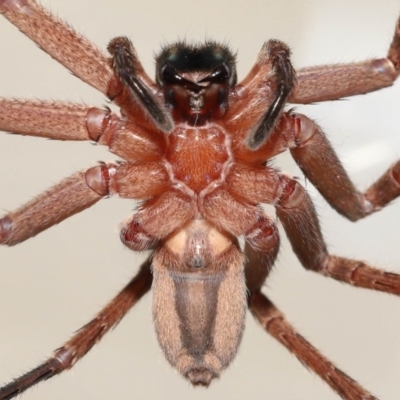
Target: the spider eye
pixel 220 74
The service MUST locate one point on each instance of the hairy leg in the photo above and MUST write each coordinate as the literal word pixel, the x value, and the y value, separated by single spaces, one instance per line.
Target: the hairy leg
pixel 86 337
pixel 299 219
pixel 68 121
pixel 49 119
pixel 69 197
pixel 275 323
pixel 59 40
pixel 315 156
pixel 332 82
pixel 78 192
pixel 261 249
pixel 79 55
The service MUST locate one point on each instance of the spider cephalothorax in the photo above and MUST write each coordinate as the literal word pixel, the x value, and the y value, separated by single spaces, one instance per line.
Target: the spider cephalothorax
pixel 195 146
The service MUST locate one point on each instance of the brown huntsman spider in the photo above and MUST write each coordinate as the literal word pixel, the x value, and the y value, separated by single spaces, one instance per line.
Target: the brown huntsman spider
pixel 196 147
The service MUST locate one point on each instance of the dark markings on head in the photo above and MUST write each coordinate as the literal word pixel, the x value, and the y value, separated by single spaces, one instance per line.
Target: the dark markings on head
pixel 206 56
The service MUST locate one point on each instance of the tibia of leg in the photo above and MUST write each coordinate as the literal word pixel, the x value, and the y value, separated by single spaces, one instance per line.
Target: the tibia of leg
pixel 299 219
pixel 315 156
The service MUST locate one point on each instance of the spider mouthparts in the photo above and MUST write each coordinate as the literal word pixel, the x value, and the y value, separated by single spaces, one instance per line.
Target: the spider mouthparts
pixel 201 376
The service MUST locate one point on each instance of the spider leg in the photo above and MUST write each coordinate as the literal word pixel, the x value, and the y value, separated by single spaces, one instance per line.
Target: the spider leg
pixel 86 337
pixel 67 198
pixel 313 153
pixel 332 82
pixel 68 121
pixel 60 41
pixel 297 214
pixel 78 192
pixel 274 322
pixel 49 119
pixel 259 264
pixel 261 249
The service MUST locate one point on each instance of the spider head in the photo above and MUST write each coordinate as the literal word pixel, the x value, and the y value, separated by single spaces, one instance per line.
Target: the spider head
pixel 196 80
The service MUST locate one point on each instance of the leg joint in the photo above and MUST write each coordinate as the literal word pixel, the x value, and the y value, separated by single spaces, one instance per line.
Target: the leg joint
pixel 292 193
pixel 100 124
pixel 304 130
pixel 264 235
pixel 99 178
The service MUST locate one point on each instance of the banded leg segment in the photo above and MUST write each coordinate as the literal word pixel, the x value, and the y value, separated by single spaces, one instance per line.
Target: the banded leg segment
pixel 60 41
pixel 315 156
pixel 332 82
pixel 299 219
pixel 85 338
pixel 274 322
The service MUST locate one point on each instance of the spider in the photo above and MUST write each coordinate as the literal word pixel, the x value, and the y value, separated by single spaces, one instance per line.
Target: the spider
pixel 196 146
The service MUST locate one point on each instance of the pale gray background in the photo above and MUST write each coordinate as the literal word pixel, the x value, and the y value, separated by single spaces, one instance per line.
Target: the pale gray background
pixel 53 284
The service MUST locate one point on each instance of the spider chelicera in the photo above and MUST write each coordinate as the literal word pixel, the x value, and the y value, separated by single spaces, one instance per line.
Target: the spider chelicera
pixel 196 146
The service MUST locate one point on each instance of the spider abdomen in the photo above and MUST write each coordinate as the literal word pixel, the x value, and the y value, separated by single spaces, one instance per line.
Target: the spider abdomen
pixel 199 301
